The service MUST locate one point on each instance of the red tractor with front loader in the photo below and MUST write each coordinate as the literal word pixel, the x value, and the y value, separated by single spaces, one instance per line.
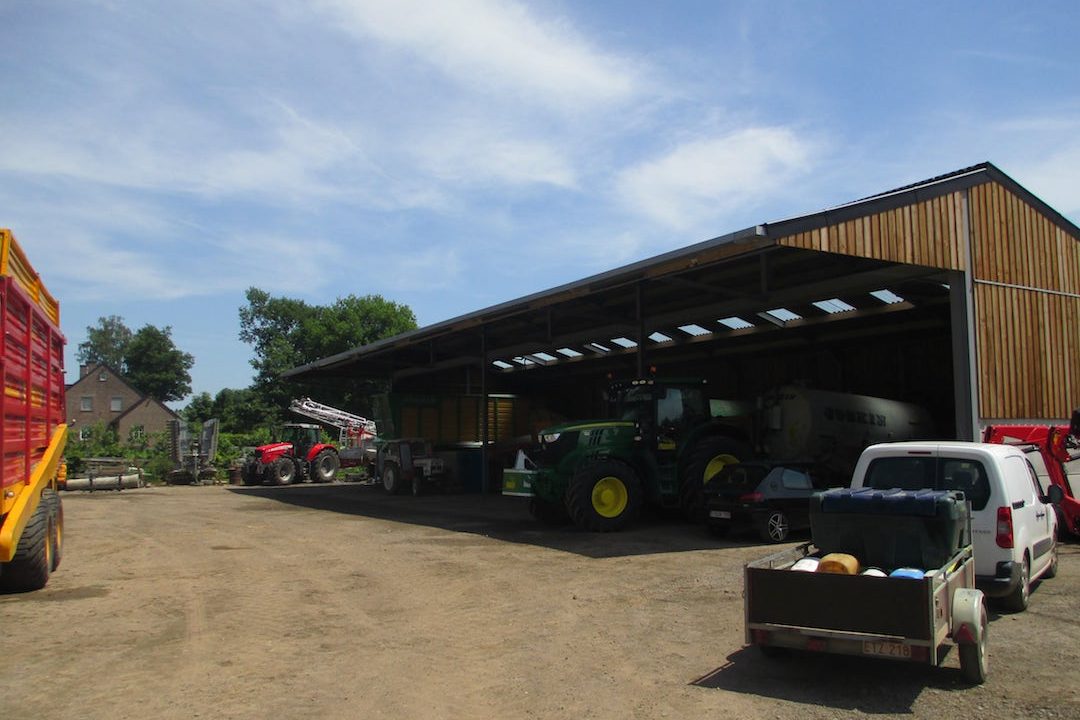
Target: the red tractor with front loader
pixel 301 456
pixel 1057 445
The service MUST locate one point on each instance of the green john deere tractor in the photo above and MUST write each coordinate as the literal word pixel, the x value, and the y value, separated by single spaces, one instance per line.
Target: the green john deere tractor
pixel 662 445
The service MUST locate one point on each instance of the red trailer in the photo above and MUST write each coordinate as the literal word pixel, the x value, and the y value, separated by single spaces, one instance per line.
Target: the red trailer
pixel 1057 445
pixel 32 427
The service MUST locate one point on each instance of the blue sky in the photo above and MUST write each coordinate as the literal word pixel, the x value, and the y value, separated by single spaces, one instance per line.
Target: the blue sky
pixel 159 158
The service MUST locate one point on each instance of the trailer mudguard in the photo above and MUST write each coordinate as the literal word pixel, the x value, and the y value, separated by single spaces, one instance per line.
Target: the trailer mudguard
pixel 41 476
pixel 967 611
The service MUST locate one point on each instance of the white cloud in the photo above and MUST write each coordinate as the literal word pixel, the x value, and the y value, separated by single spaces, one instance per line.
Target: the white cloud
pixel 420 269
pixel 701 180
pixel 469 153
pixel 498 46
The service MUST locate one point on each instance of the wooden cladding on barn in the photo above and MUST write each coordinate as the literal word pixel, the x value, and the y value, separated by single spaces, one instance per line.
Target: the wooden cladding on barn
pixel 1015 244
pixel 1025 266
pixel 1029 353
pixel 927 233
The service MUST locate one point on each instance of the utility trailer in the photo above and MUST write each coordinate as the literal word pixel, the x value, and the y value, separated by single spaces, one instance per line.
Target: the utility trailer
pixel 904 618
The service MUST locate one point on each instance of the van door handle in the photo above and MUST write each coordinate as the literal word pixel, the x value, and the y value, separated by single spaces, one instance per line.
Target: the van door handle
pixel 1040 515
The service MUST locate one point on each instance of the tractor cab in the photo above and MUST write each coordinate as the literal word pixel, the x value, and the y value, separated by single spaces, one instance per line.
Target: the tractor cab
pixel 303 437
pixel 663 411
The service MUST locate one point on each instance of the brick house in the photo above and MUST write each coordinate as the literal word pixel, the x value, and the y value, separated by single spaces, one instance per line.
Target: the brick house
pixel 102 395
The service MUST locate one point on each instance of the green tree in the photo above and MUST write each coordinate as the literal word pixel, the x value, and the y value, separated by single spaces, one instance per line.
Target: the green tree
pixel 238 411
pixel 154 364
pixel 199 409
pixel 105 343
pixel 285 333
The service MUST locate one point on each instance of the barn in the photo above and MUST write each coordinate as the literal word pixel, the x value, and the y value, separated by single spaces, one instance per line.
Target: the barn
pixel 960 293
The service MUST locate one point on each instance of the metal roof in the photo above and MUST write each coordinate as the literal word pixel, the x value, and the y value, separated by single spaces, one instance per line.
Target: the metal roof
pixel 732 286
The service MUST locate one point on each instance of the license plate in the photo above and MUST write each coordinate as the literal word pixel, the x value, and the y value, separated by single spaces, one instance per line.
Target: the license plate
pixel 887 649
pixel 720 514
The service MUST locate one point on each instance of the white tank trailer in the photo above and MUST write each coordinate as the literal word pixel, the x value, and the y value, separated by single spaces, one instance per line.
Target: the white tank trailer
pixel 832 428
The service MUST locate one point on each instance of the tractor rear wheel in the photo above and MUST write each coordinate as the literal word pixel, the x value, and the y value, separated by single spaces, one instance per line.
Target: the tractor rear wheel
pixel 604 496
pixel 325 466
pixel 29 569
pixel 703 462
pixel 282 472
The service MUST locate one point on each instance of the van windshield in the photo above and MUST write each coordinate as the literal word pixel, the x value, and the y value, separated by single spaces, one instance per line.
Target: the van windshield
pixel 931 473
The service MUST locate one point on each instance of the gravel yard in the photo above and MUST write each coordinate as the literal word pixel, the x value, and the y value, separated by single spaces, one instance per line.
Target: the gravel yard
pixel 337 601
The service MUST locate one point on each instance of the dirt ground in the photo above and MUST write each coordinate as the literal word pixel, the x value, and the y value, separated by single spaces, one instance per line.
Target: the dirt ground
pixel 341 602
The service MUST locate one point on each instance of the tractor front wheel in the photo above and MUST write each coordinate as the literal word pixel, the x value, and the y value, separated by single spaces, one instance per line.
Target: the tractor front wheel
pixel 283 471
pixel 604 496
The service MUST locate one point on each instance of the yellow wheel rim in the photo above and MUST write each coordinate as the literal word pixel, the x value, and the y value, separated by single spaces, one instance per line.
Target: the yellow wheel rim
pixel 609 497
pixel 715 465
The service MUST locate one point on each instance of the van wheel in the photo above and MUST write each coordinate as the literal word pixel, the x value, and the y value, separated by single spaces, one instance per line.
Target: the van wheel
pixel 1017 600
pixel 1052 568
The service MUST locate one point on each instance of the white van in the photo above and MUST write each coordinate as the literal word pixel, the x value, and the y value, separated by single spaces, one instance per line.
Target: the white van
pixel 1013 525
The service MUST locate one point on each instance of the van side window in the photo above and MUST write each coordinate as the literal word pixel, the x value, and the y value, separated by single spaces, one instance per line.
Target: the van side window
pixel 1035 480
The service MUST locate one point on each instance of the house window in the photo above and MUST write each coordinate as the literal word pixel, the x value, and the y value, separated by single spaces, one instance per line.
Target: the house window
pixel 84 433
pixel 102 377
pixel 86 403
pixel 136 433
pixel 116 404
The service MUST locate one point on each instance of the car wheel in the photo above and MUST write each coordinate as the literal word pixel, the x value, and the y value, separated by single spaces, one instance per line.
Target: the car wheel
pixel 774 526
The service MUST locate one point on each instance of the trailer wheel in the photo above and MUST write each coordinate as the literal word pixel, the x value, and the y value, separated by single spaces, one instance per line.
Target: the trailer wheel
pixel 283 471
pixel 604 496
pixel 970 608
pixel 391 478
pixel 702 464
pixel 56 537
pixel 325 466
pixel 547 512
pixel 1017 600
pixel 774 526
pixel 29 569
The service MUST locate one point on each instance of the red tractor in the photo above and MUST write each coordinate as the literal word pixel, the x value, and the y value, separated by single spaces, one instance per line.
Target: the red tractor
pixel 1057 445
pixel 299 456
